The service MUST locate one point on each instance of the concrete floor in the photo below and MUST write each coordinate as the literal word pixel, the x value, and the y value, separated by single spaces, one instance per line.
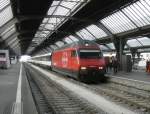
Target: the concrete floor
pixel 8 87
pixel 135 75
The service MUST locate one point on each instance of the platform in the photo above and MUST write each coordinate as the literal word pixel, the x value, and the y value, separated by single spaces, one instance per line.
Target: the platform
pixel 8 87
pixel 8 91
pixel 135 75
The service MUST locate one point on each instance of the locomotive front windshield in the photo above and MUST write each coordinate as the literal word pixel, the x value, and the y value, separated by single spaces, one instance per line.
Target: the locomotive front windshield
pixel 90 54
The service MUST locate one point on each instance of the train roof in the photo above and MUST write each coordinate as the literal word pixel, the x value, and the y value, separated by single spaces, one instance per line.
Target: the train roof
pixel 47 54
pixel 79 43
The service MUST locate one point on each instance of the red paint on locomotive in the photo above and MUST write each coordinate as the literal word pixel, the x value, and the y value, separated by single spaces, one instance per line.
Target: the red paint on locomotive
pixel 81 61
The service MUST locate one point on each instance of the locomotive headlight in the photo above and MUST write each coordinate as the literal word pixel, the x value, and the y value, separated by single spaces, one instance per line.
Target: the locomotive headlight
pixel 100 68
pixel 83 68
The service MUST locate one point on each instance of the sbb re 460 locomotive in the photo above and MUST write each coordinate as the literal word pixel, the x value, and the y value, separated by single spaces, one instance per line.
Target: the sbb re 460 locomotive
pixel 81 60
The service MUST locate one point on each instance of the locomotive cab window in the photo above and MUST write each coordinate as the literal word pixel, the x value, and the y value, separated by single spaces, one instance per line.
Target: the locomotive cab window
pixel 90 54
pixel 73 53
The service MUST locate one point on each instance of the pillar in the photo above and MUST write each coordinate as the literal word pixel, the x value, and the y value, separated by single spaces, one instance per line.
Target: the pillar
pixel 138 55
pixel 119 45
pixel 133 52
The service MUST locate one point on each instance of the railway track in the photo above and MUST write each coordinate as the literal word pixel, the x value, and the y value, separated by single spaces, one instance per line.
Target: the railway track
pixel 128 95
pixel 132 95
pixel 54 99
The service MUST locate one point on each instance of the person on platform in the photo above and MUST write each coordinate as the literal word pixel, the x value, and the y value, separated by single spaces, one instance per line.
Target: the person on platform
pixel 148 65
pixel 115 64
pixel 110 63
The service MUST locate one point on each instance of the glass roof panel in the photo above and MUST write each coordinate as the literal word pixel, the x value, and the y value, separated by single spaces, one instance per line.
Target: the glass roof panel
pixel 45 20
pixel 133 43
pixel 139 12
pixel 59 43
pixel 126 46
pixel 54 21
pixel 145 41
pixel 85 34
pixel 7 30
pixel 14 44
pixel 9 33
pixel 104 48
pixel 60 8
pixel 51 10
pixel 96 31
pixel 6 15
pixel 73 38
pixel 68 40
pixel 4 3
pixel 55 3
pixel 49 26
pixel 118 22
pixel 69 5
pixel 53 47
pixel 61 11
pixel 12 41
pixel 46 32
pixel 111 46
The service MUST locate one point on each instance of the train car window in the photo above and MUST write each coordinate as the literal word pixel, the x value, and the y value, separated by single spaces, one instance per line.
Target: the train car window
pixel 2 54
pixel 90 54
pixel 73 53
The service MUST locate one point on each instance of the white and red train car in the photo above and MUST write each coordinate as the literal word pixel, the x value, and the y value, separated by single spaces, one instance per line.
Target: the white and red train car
pixel 81 60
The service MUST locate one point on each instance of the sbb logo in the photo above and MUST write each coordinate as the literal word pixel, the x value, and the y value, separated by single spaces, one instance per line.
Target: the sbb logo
pixel 64 59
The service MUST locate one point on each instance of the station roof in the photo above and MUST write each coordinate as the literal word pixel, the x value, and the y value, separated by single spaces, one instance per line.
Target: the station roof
pixel 39 26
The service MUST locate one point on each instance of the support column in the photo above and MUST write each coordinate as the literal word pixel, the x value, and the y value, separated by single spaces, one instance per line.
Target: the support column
pixel 138 55
pixel 119 45
pixel 133 52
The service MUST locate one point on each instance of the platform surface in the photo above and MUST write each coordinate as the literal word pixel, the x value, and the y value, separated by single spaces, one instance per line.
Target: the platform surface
pixel 8 87
pixel 135 75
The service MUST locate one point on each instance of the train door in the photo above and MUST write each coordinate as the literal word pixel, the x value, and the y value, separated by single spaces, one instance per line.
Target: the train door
pixel 74 63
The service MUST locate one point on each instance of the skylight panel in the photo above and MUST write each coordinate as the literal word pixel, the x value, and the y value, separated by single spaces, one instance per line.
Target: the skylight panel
pixel 51 10
pixel 6 15
pixel 4 3
pixel 73 38
pixel 59 43
pixel 49 26
pixel 54 20
pixel 12 41
pixel 55 3
pixel 53 47
pixel 57 13
pixel 139 12
pixel 69 5
pixel 7 30
pixel 85 34
pixel 133 43
pixel 61 11
pixel 9 33
pixel 111 46
pixel 15 43
pixel 145 41
pixel 104 48
pixel 68 40
pixel 45 20
pixel 46 32
pixel 97 32
pixel 118 22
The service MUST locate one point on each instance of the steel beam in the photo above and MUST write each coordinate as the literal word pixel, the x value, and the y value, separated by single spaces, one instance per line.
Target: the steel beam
pixel 129 34
pixel 36 17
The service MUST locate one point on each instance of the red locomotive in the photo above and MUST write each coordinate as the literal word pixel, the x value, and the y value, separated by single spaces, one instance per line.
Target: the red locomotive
pixel 81 60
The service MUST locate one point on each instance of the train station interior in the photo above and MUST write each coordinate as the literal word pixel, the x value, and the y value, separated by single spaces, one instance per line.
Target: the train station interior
pixel 74 56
